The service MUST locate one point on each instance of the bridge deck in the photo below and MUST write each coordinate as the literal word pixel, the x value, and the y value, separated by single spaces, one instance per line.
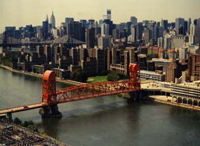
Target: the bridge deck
pixel 22 108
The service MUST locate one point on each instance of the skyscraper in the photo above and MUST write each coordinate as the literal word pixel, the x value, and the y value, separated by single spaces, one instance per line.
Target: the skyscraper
pixel 53 20
pixel 164 24
pixel 133 20
pixel 189 23
pixel 133 33
pixel 67 20
pixel 109 14
pixel 104 29
pixel 139 31
pixel 90 37
pixel 45 27
pixel 180 23
pixel 195 32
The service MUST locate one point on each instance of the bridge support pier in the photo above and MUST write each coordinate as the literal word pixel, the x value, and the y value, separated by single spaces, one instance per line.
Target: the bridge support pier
pixel 50 112
pixel 9 116
pixel 132 96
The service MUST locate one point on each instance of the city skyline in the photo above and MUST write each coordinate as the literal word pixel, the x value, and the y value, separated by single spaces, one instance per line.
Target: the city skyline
pixel 23 12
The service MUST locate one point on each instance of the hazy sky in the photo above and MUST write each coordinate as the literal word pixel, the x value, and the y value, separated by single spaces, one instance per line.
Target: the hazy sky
pixel 24 12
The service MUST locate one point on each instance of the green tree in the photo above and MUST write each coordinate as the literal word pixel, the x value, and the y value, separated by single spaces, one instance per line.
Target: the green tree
pixel 115 76
pixel 79 75
pixel 17 121
pixel 33 128
pixel 25 124
pixel 30 122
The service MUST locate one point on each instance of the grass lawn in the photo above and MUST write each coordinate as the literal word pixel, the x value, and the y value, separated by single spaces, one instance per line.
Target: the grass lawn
pixel 97 79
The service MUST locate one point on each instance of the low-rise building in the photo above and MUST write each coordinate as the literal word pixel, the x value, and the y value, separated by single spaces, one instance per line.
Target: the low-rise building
pixel 151 75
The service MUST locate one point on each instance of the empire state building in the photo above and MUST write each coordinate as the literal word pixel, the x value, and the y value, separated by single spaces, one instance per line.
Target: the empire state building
pixel 53 20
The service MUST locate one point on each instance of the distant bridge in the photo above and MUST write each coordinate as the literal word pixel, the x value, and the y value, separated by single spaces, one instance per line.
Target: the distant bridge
pixel 65 40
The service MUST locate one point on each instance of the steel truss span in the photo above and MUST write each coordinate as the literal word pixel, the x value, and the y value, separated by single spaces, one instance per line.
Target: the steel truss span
pixel 51 97
pixel 86 91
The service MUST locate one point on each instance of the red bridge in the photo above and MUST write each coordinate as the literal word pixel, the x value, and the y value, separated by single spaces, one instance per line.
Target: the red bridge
pixel 52 97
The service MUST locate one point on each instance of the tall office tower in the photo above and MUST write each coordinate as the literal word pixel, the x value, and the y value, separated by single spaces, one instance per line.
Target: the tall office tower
pixel 164 24
pixel 139 31
pixel 53 21
pixel 133 20
pixel 91 22
pixel 194 37
pixel 67 20
pixel 109 14
pixel 147 36
pixel 97 29
pixel 84 23
pixel 178 24
pixel 104 29
pixel 128 28
pixel 100 22
pixel 161 42
pixel 155 33
pixel 189 23
pixel 104 42
pixel 115 34
pixel 75 30
pixel 133 33
pixel 90 37
pixel 167 42
pixel 45 28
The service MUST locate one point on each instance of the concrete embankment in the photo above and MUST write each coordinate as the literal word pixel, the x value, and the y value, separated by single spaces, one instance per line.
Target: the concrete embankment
pixel 168 100
pixel 71 82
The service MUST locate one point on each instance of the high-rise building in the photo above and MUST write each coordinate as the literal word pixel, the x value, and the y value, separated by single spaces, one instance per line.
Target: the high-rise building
pixel 90 37
pixel 109 14
pixel 194 37
pixel 194 67
pixel 104 42
pixel 104 29
pixel 68 19
pixel 53 20
pixel 160 42
pixel 91 22
pixel 164 24
pixel 167 42
pixel 114 55
pixel 75 30
pixel 133 33
pixel 115 34
pixel 84 23
pixel 147 35
pixel 45 28
pixel 139 31
pixel 180 23
pixel 133 20
pixel 189 23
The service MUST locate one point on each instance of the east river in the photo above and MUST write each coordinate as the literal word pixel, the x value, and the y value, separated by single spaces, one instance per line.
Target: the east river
pixel 104 121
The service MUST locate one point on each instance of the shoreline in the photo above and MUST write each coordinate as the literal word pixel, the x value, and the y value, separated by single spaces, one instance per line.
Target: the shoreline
pixel 70 82
pixel 158 99
pixel 170 102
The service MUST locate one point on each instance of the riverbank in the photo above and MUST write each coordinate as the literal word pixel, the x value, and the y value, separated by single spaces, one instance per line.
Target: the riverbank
pixel 12 134
pixel 168 100
pixel 71 82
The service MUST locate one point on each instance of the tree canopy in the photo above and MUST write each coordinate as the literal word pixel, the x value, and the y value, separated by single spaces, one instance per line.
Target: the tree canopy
pixel 79 75
pixel 115 76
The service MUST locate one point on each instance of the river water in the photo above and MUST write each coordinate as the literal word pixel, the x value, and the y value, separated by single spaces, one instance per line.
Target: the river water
pixel 104 121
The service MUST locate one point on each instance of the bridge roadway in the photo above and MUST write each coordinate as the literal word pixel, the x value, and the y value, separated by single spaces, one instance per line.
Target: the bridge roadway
pixel 21 108
pixel 148 86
